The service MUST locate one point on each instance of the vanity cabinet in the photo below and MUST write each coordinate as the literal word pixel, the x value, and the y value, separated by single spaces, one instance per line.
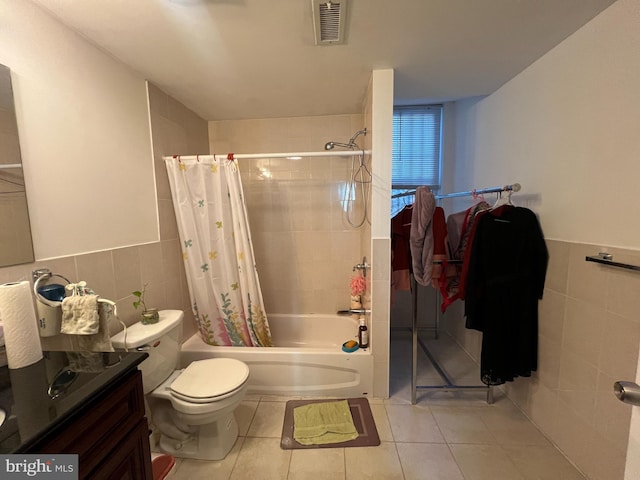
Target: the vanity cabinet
pixel 109 433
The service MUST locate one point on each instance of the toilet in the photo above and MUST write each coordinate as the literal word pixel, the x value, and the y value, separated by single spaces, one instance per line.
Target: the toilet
pixel 193 407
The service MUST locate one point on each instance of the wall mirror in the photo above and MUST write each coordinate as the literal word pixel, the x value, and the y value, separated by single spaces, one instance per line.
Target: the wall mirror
pixel 15 231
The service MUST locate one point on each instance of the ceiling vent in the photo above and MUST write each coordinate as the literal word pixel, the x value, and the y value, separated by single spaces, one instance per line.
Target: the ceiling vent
pixel 329 19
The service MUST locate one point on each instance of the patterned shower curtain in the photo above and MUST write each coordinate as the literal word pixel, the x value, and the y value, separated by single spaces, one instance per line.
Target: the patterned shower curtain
pixel 217 251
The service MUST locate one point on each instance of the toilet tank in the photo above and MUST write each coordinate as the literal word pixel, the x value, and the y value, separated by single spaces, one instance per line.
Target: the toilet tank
pixel 160 340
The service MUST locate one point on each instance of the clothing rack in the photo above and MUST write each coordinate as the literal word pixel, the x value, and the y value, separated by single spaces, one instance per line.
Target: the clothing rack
pixel 514 187
pixel 416 341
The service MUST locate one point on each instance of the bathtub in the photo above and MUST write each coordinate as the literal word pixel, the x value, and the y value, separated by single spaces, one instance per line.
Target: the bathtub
pixel 307 359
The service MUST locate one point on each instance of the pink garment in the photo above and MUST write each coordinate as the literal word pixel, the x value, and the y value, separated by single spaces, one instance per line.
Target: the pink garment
pixel 421 236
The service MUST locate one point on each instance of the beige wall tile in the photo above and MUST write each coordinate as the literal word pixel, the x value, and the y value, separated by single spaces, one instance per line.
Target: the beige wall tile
pixel 623 289
pixel 150 262
pixel 543 408
pixel 126 266
pixel 577 382
pixel 551 312
pixel 558 268
pixel 620 342
pixel 549 356
pixel 583 329
pixel 587 280
pixel 167 218
pixel 97 270
pixel 612 417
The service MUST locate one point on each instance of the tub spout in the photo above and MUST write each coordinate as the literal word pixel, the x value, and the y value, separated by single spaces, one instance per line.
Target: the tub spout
pixel 353 310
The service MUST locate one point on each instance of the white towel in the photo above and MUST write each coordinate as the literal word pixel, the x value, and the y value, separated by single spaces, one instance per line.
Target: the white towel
pixel 101 341
pixel 80 315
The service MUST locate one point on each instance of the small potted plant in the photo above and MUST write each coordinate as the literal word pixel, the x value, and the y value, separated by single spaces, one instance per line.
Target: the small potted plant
pixel 149 315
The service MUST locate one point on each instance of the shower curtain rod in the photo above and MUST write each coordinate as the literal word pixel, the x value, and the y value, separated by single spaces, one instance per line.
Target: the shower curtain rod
pixel 11 165
pixel 290 155
pixel 514 187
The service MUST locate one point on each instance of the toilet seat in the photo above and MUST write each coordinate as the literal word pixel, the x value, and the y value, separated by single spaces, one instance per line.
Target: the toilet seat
pixel 210 380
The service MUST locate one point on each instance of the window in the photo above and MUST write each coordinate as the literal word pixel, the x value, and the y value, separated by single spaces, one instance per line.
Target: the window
pixel 417 135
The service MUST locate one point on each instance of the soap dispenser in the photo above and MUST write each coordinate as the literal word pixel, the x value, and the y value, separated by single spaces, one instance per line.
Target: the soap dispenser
pixel 363 333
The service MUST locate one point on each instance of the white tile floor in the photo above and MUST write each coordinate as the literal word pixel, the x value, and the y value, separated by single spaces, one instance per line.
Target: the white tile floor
pixel 445 436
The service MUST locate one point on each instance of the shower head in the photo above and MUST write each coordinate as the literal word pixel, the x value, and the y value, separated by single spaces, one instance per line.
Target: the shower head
pixel 332 145
pixel 352 142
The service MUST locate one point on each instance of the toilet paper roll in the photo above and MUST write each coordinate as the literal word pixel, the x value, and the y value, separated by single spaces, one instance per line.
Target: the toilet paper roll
pixel 22 340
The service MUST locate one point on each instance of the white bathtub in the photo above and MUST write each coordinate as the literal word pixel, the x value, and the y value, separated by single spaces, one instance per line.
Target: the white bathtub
pixel 307 358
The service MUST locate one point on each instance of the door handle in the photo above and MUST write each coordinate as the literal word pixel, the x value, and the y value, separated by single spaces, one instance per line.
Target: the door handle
pixel 627 392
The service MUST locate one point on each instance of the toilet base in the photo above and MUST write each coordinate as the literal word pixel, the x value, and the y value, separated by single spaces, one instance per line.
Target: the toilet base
pixel 212 441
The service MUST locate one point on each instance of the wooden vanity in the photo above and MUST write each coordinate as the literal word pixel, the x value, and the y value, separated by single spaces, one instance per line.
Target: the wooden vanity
pixel 96 413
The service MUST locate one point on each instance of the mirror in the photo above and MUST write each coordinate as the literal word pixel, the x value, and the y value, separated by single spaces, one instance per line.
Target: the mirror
pixel 15 232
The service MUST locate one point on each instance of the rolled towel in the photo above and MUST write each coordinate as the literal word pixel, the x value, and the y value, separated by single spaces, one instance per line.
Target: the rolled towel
pixel 80 315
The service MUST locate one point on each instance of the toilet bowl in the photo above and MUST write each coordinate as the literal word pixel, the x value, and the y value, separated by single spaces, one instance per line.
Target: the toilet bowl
pixel 191 408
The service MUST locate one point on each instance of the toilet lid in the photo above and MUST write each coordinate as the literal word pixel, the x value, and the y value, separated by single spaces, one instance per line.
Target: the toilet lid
pixel 204 380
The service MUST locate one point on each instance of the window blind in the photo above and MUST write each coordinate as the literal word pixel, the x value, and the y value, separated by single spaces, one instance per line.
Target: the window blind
pixel 416 146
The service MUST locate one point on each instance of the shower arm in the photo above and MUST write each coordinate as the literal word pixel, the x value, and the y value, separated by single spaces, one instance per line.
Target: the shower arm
pixel 352 145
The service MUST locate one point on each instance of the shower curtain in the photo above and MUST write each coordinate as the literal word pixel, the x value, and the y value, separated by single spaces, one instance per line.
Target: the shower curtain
pixel 217 251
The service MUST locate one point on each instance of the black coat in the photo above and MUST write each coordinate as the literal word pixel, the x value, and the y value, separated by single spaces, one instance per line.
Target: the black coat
pixel 505 279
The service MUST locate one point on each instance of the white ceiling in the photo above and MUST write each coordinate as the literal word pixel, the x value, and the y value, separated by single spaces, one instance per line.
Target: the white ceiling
pixel 233 59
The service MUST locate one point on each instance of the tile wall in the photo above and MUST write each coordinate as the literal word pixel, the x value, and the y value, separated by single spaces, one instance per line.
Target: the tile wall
pixel 305 249
pixel 114 274
pixel 589 333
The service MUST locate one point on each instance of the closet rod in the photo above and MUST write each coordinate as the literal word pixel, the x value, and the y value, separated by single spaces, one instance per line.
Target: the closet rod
pixel 514 187
pixel 289 155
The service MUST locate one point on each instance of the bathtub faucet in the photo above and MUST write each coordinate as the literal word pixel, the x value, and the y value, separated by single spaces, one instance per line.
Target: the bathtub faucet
pixel 353 310
pixel 362 266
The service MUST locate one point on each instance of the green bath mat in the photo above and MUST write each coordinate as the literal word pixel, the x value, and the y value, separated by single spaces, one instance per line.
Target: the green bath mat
pixel 325 424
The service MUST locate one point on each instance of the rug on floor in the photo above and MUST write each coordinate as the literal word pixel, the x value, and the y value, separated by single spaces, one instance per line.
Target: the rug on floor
pixel 362 419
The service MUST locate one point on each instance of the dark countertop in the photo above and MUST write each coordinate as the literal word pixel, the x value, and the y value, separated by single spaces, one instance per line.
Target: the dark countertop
pixel 40 398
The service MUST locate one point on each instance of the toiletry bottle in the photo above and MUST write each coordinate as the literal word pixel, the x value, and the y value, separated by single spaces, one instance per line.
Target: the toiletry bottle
pixel 363 334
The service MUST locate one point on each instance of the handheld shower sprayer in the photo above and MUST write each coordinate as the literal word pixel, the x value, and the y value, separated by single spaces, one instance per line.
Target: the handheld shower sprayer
pixel 359 175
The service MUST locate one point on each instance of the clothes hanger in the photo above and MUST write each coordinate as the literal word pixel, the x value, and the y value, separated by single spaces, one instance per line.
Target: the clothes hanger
pixel 503 200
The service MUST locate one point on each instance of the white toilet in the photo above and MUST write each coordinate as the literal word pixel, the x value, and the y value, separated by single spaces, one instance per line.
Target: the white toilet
pixel 192 408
